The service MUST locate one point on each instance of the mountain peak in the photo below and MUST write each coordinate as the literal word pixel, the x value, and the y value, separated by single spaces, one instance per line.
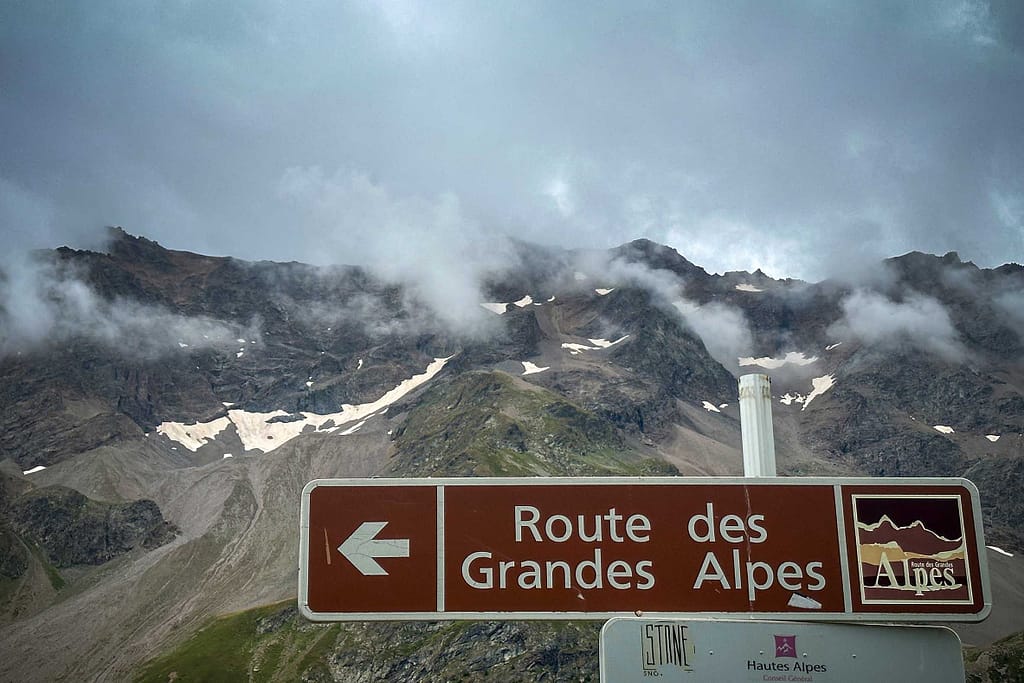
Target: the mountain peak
pixel 658 256
pixel 951 257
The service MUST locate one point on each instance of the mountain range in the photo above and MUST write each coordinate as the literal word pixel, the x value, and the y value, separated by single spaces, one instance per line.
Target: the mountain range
pixel 160 412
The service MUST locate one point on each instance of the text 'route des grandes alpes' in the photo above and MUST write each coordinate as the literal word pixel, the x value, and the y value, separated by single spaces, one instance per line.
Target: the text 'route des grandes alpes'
pixel 642 549
pixel 588 547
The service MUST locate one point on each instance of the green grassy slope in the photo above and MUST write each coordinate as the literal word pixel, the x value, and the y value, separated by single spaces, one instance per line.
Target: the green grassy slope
pixel 265 644
pixel 275 644
pixel 493 424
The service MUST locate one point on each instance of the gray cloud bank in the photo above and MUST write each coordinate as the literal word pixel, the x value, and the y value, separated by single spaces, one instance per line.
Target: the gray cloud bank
pixel 427 245
pixel 797 137
pixel 806 139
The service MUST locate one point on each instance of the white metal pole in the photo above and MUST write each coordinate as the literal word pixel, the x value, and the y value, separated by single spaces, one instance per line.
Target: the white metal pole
pixel 756 426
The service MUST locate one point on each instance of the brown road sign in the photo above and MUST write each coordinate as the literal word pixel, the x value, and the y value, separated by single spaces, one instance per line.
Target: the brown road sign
pixel 828 549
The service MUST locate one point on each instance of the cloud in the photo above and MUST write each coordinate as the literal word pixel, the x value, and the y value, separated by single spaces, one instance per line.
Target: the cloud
pixel 819 134
pixel 425 244
pixel 916 322
pixel 42 303
pixel 752 247
pixel 371 313
pixel 607 270
pixel 1011 304
pixel 723 329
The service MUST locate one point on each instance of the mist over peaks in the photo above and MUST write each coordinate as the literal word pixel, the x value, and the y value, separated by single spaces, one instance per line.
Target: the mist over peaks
pixel 915 322
pixel 44 302
pixel 722 327
pixel 427 245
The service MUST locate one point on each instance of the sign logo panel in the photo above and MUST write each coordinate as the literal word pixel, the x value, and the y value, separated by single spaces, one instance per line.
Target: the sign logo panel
pixel 913 550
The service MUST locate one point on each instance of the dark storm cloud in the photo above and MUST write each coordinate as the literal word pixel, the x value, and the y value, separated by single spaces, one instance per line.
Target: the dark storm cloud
pixel 798 137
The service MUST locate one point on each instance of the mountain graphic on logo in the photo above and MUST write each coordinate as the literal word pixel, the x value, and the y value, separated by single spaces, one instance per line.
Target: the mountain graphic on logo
pixel 785 646
pixel 913 540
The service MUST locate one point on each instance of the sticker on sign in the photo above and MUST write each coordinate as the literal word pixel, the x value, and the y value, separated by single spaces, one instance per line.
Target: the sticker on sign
pixel 550 548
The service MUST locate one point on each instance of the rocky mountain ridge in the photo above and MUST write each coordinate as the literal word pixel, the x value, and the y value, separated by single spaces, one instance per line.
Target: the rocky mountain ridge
pixel 162 364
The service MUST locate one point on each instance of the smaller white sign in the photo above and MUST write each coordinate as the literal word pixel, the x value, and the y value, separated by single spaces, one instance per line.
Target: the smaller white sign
pixel 634 650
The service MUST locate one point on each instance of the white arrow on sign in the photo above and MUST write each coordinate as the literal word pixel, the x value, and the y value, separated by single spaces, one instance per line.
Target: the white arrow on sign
pixel 362 548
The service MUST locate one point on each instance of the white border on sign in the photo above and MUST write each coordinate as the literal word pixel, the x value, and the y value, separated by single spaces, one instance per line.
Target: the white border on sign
pixel 440 549
pixel 836 482
pixel 844 569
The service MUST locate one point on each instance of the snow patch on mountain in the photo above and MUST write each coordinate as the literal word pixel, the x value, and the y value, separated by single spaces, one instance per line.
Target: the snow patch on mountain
pixel 525 301
pixel 353 429
pixel 604 343
pixel 531 369
pixel 832 346
pixel 502 308
pixel 992 437
pixel 791 358
pixel 999 550
pixel 260 431
pixel 748 288
pixel 943 429
pixel 193 436
pixel 576 349
pixel 268 431
pixel 819 385
pixel 37 468
pixel 604 292
pixel 710 407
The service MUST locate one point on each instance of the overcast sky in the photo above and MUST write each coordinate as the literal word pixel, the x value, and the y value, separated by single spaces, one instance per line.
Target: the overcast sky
pixel 799 137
